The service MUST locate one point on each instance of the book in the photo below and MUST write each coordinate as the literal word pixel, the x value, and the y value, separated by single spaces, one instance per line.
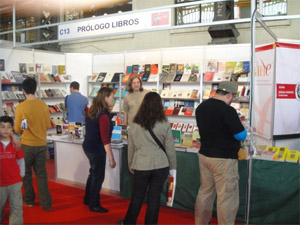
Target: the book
pixel 189 111
pixel 244 77
pixel 194 77
pixel 22 68
pixel 280 154
pixel 207 91
pixel 178 77
pixel 61 69
pixel 182 111
pixel 187 139
pixel 135 69
pixel 108 77
pixel 208 76
pixel 194 93
pixel 153 78
pixel 221 67
pixel 218 77
pixel 195 69
pixel 185 77
pixel 93 77
pixel 39 68
pixel 173 67
pixel 246 67
pixel 116 133
pixel 55 69
pixel 238 68
pixel 129 70
pixel 179 126
pixel 174 125
pixel 229 67
pixel 176 110
pixel 184 127
pixel 116 77
pixel 30 68
pixel 176 136
pixel 47 69
pixel 165 73
pixel 169 110
pixel 190 127
pixel 154 68
pixel 292 156
pixel 126 77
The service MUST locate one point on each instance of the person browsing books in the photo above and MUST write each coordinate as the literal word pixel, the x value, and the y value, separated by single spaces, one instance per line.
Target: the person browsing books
pixel 96 146
pixel 146 160
pixel 220 134
pixel 32 120
pixel 133 98
pixel 12 169
pixel 76 104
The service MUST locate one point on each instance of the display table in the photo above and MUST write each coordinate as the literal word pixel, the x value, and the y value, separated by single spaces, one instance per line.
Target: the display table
pixel 274 188
pixel 71 164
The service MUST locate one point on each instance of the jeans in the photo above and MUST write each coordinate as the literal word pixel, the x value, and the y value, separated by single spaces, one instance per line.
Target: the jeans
pixel 153 180
pixel 14 195
pixel 95 178
pixel 35 157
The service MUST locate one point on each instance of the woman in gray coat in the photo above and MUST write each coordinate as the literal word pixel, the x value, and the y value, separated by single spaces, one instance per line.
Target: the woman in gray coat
pixel 146 160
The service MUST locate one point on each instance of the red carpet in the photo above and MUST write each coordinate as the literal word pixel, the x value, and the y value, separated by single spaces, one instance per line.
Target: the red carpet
pixel 68 209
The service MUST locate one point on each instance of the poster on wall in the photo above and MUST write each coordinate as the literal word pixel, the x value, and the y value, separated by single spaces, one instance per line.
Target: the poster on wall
pixel 287 90
pixel 2 65
pixel 263 90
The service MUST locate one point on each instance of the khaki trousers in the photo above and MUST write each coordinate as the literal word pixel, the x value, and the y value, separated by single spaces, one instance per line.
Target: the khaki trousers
pixel 217 177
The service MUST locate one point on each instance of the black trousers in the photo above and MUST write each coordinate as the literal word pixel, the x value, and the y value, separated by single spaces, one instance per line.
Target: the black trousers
pixel 95 178
pixel 153 181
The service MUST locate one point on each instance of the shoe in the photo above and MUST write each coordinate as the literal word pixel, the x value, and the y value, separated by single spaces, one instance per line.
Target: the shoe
pixel 120 222
pixel 31 204
pixel 85 202
pixel 98 209
pixel 48 209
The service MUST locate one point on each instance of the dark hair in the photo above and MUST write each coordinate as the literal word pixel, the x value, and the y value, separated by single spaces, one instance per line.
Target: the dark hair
pixel 99 104
pixel 29 85
pixel 151 111
pixel 220 92
pixel 75 85
pixel 7 119
pixel 129 85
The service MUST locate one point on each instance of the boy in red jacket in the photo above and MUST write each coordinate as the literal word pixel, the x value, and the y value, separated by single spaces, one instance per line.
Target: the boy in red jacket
pixel 12 169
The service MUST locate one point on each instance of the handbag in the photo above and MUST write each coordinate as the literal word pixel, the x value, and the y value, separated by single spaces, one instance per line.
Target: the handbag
pixel 156 140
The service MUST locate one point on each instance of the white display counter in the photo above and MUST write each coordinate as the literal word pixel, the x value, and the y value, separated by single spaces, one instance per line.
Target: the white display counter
pixel 71 164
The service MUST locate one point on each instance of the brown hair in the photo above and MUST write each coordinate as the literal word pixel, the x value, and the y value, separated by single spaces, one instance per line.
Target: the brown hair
pixel 129 85
pixel 151 111
pixel 99 104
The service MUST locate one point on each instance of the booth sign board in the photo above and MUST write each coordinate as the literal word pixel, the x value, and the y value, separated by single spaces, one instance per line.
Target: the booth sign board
pixel 127 22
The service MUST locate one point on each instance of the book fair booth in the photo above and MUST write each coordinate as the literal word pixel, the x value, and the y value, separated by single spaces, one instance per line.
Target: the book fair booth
pixel 268 103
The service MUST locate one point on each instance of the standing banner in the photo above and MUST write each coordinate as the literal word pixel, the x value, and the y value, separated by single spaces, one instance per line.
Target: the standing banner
pixel 105 25
pixel 263 90
pixel 287 89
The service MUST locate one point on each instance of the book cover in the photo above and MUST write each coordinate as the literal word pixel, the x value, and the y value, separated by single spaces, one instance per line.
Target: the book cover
pixel 238 68
pixel 207 91
pixel 179 126
pixel 213 91
pixel 187 139
pixel 185 77
pixel 280 154
pixel 244 77
pixel 126 78
pixel 190 128
pixel 229 67
pixel 169 110
pixel 194 77
pixel 153 78
pixel 172 68
pixel 189 111
pixel 292 156
pixel 176 136
pixel 176 110
pixel 30 68
pixel 2 64
pixel 61 69
pixel 22 68
pixel 129 70
pixel 234 77
pixel 116 77
pixel 165 73
pixel 108 77
pixel 182 111
pixel 145 77
pixel 170 77
pixel 147 69
pixel 154 68
pixel 135 69
pixel 218 77
pixel 11 77
pixel 93 77
pixel 226 76
pixel 195 69
pixel 184 127
pixel 209 75
pixel 221 67
pixel 180 69
pixel 174 125
pixel 39 68
pixel 55 69
pixel 116 133
pixel 246 66
pixel 47 69
pixel 212 65
pixel 194 93
pixel 178 77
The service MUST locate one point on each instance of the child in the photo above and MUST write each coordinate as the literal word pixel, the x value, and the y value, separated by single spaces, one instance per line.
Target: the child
pixel 12 169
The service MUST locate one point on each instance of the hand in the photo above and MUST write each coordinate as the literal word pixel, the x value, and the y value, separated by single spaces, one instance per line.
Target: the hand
pixel 112 163
pixel 131 171
pixel 16 142
pixel 173 173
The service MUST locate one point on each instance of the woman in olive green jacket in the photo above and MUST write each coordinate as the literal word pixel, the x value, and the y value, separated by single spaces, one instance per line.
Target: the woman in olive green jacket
pixel 146 160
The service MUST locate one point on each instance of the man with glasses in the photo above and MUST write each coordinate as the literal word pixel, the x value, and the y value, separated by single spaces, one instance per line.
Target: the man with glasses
pixel 221 132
